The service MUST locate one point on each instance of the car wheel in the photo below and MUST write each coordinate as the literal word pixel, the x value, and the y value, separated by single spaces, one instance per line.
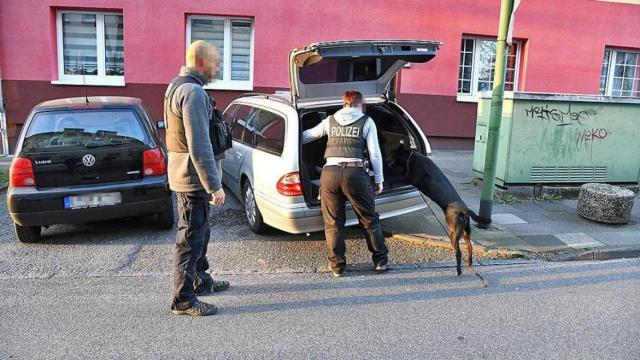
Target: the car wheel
pixel 251 211
pixel 165 218
pixel 27 234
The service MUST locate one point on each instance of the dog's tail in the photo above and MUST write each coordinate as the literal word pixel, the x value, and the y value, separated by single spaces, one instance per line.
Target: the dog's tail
pixel 477 218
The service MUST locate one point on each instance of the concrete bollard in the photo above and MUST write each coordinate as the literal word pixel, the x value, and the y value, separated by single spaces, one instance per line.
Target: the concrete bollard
pixel 605 203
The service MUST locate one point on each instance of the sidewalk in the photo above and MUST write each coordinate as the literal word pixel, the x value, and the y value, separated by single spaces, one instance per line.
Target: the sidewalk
pixel 550 229
pixel 5 161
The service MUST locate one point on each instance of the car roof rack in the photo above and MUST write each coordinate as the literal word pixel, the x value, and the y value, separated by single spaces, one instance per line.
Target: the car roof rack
pixel 267 96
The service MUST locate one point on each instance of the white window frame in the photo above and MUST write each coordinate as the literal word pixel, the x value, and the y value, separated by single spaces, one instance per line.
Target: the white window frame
pixel 92 80
pixel 226 83
pixel 473 97
pixel 608 91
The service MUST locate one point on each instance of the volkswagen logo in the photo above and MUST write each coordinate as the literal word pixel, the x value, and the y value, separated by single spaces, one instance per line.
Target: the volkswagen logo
pixel 88 160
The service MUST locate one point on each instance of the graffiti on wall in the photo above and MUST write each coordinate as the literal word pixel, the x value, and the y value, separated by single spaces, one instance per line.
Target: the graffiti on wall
pixel 560 116
pixel 578 126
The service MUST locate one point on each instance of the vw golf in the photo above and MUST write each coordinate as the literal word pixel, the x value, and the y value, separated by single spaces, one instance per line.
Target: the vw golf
pixel 87 159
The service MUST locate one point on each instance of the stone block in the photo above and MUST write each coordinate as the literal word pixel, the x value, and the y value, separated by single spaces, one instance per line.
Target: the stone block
pixel 605 203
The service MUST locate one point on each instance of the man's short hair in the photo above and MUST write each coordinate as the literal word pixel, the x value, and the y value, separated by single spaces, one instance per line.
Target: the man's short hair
pixel 352 98
pixel 201 49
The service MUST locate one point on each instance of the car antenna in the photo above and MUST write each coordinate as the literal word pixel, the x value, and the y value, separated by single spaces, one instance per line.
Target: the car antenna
pixel 84 84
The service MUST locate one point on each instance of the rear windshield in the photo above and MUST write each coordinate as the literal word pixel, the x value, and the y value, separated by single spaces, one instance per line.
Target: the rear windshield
pixel 345 70
pixel 66 129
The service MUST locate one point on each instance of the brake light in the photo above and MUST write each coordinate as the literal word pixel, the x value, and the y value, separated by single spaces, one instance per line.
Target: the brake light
pixel 289 185
pixel 153 163
pixel 21 173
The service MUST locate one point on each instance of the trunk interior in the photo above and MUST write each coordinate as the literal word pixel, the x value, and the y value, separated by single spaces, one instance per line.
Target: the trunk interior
pixel 393 128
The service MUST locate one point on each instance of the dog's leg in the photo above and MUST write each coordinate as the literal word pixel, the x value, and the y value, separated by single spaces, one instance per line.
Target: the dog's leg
pixel 455 232
pixel 467 240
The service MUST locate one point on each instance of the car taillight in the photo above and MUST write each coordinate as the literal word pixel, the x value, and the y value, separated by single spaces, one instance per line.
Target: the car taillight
pixel 21 173
pixel 289 185
pixel 153 163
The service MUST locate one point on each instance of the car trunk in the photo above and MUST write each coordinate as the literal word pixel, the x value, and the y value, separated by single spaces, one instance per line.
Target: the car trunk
pixel 68 168
pixel 320 73
pixel 85 147
pixel 394 129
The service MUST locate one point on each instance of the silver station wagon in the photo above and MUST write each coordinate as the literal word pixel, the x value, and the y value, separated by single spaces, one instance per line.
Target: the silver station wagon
pixel 276 176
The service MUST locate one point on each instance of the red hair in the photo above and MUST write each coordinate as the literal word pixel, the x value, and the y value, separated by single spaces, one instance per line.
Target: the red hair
pixel 352 98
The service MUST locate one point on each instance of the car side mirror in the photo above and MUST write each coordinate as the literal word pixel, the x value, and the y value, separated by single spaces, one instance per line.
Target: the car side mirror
pixel 160 124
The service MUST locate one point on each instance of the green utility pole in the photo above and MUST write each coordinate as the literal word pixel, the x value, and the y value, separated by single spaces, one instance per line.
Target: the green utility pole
pixel 486 200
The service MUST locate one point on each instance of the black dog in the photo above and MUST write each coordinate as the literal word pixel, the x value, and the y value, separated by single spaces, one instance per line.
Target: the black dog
pixel 424 174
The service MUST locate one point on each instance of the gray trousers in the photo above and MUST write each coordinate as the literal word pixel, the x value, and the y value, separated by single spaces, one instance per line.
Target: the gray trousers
pixel 337 185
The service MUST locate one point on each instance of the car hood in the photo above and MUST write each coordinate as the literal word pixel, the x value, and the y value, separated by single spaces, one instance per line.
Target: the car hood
pixel 324 71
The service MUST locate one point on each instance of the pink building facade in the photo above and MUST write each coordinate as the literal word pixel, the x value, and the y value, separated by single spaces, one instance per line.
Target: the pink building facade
pixel 134 48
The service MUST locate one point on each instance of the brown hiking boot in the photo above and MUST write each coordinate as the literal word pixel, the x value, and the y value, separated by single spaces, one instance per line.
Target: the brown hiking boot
pixel 198 309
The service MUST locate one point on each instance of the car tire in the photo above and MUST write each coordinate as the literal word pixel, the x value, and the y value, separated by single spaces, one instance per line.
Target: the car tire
pixel 165 219
pixel 251 211
pixel 27 234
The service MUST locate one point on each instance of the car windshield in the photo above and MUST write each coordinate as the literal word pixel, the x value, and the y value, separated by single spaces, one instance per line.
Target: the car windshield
pixel 53 130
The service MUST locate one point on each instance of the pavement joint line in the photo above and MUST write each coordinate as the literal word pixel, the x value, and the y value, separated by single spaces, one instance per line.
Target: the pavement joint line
pixel 613 253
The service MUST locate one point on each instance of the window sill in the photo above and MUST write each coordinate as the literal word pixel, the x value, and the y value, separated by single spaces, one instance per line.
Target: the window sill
pixel 467 98
pixel 88 81
pixel 230 85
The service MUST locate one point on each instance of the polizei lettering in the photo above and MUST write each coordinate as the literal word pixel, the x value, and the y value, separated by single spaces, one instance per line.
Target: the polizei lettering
pixel 345 131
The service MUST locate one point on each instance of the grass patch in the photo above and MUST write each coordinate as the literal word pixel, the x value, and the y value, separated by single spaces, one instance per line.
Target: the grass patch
pixel 549 198
pixel 4 176
pixel 509 199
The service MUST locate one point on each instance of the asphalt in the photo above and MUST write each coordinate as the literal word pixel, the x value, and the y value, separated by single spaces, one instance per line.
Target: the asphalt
pixel 134 246
pixel 579 310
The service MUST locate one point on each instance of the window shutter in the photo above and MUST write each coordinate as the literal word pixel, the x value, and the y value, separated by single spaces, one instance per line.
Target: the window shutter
pixel 114 45
pixel 79 44
pixel 240 50
pixel 211 31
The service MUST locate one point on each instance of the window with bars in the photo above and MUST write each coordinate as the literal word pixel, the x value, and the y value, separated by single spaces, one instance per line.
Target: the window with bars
pixel 620 75
pixel 90 48
pixel 234 40
pixel 477 67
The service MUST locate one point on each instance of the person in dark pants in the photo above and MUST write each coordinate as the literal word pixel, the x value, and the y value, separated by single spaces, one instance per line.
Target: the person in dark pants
pixel 344 177
pixel 194 176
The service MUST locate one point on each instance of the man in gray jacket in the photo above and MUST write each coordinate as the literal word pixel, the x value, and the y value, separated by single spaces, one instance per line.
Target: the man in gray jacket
pixel 194 176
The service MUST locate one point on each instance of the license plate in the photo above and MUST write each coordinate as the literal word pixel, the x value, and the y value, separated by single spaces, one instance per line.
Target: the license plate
pixel 92 200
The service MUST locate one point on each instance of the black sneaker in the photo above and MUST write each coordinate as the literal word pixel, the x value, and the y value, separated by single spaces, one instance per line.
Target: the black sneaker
pixel 216 286
pixel 382 267
pixel 198 309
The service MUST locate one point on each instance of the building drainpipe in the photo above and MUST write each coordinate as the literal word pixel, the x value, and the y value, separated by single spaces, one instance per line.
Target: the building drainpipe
pixel 3 122
pixel 486 199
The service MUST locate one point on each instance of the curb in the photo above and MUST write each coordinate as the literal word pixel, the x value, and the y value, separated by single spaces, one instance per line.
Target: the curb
pixel 603 254
pixel 444 243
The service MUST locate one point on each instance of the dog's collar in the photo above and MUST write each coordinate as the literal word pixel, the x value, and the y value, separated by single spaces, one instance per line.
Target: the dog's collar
pixel 406 166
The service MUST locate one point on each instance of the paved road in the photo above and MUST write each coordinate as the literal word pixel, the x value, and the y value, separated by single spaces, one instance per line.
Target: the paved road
pixel 135 246
pixel 534 311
